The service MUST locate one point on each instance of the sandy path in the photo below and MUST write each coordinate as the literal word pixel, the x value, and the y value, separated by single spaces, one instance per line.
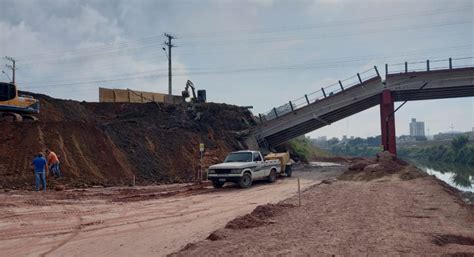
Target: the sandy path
pixel 97 227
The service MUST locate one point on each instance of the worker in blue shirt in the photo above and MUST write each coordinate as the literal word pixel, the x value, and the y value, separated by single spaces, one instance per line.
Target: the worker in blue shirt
pixel 40 166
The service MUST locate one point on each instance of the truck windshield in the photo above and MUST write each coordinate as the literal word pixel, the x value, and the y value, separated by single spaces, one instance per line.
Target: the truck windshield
pixel 239 157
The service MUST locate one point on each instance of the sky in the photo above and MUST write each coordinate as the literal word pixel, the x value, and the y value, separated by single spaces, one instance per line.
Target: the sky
pixel 260 53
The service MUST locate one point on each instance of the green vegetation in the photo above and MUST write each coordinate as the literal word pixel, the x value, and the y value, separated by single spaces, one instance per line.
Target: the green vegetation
pixel 458 152
pixel 358 147
pixel 301 148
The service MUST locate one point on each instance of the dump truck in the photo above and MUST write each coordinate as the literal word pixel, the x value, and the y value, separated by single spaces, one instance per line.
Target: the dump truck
pixel 244 167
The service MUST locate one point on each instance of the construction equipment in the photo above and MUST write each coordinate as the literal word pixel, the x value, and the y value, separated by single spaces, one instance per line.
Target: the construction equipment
pixel 14 107
pixel 201 96
pixel 285 161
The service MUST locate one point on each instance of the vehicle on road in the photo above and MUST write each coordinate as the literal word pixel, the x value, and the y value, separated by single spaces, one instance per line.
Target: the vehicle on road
pixel 244 167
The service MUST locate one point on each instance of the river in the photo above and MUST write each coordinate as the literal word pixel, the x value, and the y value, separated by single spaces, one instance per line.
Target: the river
pixel 457 175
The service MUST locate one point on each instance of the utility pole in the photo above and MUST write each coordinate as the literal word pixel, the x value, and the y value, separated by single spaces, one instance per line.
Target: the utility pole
pixel 168 43
pixel 12 67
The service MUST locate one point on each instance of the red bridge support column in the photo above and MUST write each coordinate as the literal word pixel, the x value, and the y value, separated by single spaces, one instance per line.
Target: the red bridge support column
pixel 387 119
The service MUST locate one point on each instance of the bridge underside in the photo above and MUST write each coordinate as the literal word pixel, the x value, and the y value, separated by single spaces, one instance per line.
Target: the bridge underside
pixel 409 86
pixel 321 121
pixel 435 93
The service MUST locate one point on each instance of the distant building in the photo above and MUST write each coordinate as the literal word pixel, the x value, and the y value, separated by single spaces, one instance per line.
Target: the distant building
pixel 322 138
pixel 417 128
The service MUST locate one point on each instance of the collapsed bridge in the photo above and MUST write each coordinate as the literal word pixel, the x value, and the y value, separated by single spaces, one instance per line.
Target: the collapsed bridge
pixel 444 79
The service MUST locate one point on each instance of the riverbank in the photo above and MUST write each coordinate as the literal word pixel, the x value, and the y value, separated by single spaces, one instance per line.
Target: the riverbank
pixel 366 212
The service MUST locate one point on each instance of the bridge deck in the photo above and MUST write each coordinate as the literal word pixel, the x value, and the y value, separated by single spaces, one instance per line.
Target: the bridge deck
pixel 437 84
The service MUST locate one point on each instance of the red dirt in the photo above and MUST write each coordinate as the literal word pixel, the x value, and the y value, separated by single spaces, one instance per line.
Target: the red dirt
pixel 108 143
pixel 387 216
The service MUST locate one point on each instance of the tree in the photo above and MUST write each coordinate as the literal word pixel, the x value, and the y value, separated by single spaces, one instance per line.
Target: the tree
pixel 459 142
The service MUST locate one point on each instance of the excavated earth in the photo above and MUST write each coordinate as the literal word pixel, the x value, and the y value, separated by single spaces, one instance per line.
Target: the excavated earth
pixel 110 143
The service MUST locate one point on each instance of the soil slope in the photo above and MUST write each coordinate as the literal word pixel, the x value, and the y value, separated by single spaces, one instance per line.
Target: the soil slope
pixel 109 143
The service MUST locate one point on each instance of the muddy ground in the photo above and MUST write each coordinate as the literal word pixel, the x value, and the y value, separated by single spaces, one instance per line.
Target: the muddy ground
pixel 367 213
pixel 109 143
pixel 140 221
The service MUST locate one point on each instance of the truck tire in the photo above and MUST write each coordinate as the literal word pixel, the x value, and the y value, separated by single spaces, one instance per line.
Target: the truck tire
pixel 245 181
pixel 217 184
pixel 272 176
pixel 288 170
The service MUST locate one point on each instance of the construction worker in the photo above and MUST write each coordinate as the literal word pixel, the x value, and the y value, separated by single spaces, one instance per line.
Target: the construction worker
pixel 40 166
pixel 53 163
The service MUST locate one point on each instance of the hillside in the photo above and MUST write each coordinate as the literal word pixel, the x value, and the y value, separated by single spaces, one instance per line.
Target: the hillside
pixel 109 143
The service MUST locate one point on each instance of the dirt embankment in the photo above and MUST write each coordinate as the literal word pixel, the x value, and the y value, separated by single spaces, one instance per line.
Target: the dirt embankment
pixel 109 143
pixel 380 207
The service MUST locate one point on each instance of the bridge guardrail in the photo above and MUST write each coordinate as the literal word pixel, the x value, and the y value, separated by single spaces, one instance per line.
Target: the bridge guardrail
pixel 318 95
pixel 429 65
pixel 394 68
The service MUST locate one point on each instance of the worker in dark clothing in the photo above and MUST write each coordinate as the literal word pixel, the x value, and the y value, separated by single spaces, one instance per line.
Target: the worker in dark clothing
pixel 40 166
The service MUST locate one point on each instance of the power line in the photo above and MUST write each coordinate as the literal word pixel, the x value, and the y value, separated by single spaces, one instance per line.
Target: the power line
pixel 451 49
pixel 324 36
pixel 335 64
pixel 154 38
pixel 342 22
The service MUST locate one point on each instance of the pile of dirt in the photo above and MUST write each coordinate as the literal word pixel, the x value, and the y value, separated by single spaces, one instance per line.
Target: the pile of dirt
pixel 111 143
pixel 259 216
pixel 384 164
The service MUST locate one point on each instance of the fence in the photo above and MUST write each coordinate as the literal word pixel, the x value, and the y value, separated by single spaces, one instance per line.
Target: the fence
pixel 131 96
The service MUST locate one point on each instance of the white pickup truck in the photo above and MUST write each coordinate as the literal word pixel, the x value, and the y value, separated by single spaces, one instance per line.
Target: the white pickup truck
pixel 243 167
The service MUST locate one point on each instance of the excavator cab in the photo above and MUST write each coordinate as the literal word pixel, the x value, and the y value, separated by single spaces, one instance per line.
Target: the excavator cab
pixel 7 91
pixel 14 107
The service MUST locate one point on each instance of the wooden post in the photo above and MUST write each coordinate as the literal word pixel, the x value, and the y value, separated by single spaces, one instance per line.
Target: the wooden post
pixel 299 193
pixel 133 180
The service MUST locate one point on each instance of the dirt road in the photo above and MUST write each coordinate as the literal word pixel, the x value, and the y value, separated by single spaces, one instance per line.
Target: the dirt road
pixel 394 215
pixel 130 222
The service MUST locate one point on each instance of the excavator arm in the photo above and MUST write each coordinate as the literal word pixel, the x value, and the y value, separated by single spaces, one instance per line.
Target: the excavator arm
pixel 185 93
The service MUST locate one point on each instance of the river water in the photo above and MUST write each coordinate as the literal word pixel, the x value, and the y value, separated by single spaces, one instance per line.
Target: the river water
pixel 457 175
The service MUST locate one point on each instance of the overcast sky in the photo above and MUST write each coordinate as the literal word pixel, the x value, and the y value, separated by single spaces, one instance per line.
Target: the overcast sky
pixel 261 53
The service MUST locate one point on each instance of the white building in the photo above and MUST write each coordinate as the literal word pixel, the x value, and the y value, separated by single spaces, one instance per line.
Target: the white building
pixel 417 128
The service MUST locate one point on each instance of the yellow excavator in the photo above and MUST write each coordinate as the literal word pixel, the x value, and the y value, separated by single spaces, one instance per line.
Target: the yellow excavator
pixel 14 107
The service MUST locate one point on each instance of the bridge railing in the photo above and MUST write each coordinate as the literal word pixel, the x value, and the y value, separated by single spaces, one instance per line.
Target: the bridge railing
pixel 320 94
pixel 394 68
pixel 429 65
